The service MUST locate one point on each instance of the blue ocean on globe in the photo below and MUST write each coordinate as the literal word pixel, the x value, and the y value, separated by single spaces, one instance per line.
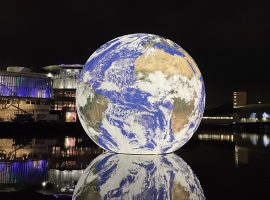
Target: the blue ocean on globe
pixel 140 94
pixel 121 176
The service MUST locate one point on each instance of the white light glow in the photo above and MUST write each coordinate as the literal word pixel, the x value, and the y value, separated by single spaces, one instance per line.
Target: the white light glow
pixel 49 75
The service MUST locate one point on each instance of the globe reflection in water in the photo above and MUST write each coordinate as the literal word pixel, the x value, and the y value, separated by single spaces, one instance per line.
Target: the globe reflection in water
pixel 120 176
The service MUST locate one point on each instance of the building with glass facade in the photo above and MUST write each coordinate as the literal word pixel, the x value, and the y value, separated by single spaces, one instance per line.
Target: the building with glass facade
pixel 24 94
pixel 37 95
pixel 64 90
pixel 25 84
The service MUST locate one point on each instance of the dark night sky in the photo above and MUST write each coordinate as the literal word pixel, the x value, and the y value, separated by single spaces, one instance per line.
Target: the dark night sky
pixel 229 40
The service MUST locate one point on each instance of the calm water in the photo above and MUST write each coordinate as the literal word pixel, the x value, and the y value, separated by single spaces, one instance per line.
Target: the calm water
pixel 214 165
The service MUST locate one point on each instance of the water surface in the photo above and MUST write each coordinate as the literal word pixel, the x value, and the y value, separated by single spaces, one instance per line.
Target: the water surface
pixel 227 165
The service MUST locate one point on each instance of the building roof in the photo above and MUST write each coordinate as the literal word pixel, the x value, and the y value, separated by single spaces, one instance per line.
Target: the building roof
pixel 18 69
pixel 52 68
pixel 254 107
pixel 23 73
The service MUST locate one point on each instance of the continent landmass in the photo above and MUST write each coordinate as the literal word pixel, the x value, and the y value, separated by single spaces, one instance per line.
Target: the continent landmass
pixel 159 60
pixel 93 111
pixel 179 192
pixel 89 190
pixel 180 114
pixel 191 62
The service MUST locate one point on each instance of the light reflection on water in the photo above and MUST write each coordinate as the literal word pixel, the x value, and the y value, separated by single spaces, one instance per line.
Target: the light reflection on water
pixel 53 164
pixel 22 172
pixel 39 148
pixel 248 147
pixel 216 137
pixel 62 181
pixel 247 139
pixel 56 164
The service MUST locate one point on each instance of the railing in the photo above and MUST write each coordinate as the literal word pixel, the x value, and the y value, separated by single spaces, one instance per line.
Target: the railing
pixel 2 85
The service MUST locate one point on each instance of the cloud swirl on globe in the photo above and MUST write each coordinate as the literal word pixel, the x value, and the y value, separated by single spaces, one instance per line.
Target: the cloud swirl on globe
pixel 140 94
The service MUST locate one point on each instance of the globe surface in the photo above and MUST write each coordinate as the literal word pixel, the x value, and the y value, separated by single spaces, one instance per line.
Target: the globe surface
pixel 140 94
pixel 121 176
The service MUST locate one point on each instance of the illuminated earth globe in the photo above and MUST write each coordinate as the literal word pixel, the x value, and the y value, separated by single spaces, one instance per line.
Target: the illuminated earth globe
pixel 140 94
